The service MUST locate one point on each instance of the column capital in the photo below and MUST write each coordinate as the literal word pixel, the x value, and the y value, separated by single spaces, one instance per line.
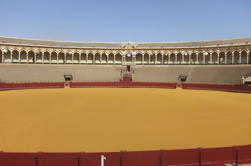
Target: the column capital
pixel 218 51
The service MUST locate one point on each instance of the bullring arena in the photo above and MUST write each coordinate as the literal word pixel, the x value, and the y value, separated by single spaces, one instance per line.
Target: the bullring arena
pixel 125 104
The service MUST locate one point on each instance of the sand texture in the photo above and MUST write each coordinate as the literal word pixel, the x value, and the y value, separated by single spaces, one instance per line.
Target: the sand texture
pixel 115 119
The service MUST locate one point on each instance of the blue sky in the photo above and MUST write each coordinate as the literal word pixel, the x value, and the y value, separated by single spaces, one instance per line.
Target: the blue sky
pixel 126 20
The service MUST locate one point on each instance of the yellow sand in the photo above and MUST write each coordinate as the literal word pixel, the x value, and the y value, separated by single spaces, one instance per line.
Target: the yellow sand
pixel 114 119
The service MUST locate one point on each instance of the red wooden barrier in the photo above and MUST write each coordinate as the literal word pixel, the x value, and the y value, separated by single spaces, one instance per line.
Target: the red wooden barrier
pixel 145 158
pixel 244 154
pixel 234 88
pixel 127 83
pixel 184 157
pixel 94 159
pixel 17 159
pixel 122 84
pixel 218 156
pixel 126 79
pixel 58 159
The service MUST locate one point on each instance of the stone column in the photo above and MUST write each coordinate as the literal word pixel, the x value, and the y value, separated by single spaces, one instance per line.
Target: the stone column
pixel 114 58
pixel 57 57
pixel 218 57
pixel 50 57
pixel 197 58
pixel 72 58
pixel 2 56
pixel 225 58
pixel 79 58
pixel 19 58
pixel 123 59
pixel 211 58
pixel 143 59
pixel 175 57
pixel 189 57
pixel 27 57
pixel 232 57
pixel 93 59
pixel 204 58
pixel 183 58
pixel 64 58
pixel 156 58
pixel 247 56
pixel 42 54
pixel 168 59
pixel 86 58
pixel 11 56
pixel 240 57
pixel 35 57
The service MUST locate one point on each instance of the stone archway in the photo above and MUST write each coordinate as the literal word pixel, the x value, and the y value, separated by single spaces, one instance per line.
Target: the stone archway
pixel 159 59
pixel 222 58
pixel 23 57
pixel 172 58
pixel 7 56
pixel 118 59
pixel 236 57
pixel 97 58
pixel 76 58
pixel 165 59
pixel 54 58
pixel 244 57
pixel 152 58
pixel 90 58
pixel 229 58
pixel 139 58
pixel 179 58
pixel 128 58
pixel 146 58
pixel 61 58
pixel 111 58
pixel 186 58
pixel 200 58
pixel 193 59
pixel 39 57
pixel 31 57
pixel 68 58
pixel 207 58
pixel 104 58
pixel 46 57
pixel 15 56
pixel 83 58
pixel 214 58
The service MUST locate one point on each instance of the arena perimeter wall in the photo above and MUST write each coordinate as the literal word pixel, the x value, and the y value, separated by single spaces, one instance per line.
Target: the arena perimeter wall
pixel 52 73
pixel 184 157
pixel 126 84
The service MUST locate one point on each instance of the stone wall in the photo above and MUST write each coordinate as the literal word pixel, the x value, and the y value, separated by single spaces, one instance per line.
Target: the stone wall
pixel 24 73
pixel 213 74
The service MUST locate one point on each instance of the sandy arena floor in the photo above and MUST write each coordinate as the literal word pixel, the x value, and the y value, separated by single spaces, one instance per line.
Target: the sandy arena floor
pixel 114 119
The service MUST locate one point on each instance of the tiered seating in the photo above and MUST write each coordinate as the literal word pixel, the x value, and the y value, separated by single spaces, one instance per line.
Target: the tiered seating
pixel 196 74
pixel 55 73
